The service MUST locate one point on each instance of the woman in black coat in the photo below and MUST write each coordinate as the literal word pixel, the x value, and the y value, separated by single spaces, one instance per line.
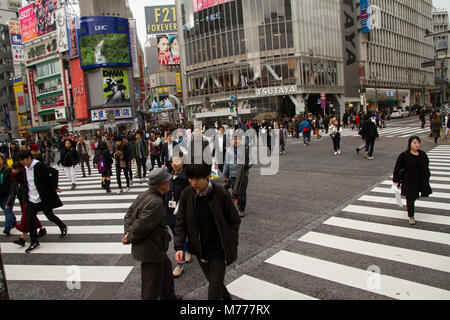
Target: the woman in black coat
pixel 104 165
pixel 413 174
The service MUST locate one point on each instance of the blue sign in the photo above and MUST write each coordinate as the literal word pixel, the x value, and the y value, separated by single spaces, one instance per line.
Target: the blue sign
pixel 233 99
pixel 365 16
pixel 7 120
pixel 104 42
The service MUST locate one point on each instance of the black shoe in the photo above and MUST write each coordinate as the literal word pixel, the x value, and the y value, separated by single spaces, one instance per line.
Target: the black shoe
pixel 7 232
pixel 84 176
pixel 20 242
pixel 32 247
pixel 42 232
pixel 358 150
pixel 74 186
pixel 63 232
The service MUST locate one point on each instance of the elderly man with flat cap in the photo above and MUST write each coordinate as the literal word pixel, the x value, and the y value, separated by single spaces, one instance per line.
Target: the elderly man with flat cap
pixel 147 232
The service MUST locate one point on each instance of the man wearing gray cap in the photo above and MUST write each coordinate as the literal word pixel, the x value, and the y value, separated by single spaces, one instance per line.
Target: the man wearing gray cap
pixel 145 226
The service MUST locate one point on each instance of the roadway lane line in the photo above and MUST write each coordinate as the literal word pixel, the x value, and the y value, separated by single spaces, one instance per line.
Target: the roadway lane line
pixel 397 214
pixel 357 278
pixel 433 185
pixel 89 206
pixel 106 274
pixel 83 248
pixel 81 192
pixel 403 232
pixel 249 288
pixel 419 204
pixel 113 196
pixel 418 258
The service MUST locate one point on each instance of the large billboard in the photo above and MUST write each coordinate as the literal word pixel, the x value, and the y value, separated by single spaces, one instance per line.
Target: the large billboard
pixel 168 50
pixel 63 41
pixel 365 16
pixel 116 87
pixel 200 5
pixel 19 94
pixel 161 19
pixel 38 19
pixel 73 26
pixel 27 17
pixel 78 90
pixel 104 42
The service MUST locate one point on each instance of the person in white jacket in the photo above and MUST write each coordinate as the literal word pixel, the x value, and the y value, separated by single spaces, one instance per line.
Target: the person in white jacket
pixel 335 133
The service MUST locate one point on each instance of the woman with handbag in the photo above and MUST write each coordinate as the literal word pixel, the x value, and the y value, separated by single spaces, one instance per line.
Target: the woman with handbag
pixel 412 173
pixel 335 134
pixel 122 157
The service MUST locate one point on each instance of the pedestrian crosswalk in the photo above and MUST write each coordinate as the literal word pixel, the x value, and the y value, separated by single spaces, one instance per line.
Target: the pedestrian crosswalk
pixel 95 228
pixel 392 132
pixel 367 251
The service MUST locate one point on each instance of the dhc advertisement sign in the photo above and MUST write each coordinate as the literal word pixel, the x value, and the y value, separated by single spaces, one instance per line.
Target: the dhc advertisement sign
pixel 104 42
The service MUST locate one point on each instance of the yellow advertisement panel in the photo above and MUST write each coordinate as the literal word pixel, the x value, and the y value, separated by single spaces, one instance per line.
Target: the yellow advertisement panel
pixel 20 105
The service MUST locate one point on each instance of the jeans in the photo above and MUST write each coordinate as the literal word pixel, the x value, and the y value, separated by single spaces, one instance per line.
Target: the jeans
pixel 130 170
pixel 10 218
pixel 32 210
pixel 118 174
pixel 157 280
pixel 370 145
pixel 214 272
pixel 242 200
pixel 71 174
pixel 141 163
pixel 306 137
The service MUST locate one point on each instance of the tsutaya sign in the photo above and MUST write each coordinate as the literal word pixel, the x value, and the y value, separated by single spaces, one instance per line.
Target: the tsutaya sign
pixel 276 91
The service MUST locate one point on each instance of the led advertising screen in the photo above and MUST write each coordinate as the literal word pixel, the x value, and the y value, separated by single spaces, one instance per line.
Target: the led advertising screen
pixel 200 5
pixel 116 87
pixel 104 42
pixel 168 50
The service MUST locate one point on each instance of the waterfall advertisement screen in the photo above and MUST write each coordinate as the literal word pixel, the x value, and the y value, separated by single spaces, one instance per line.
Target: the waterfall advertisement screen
pixel 104 42
pixel 116 87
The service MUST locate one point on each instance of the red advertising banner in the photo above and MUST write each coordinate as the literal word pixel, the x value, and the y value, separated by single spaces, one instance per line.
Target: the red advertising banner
pixel 27 16
pixel 78 90
pixel 33 97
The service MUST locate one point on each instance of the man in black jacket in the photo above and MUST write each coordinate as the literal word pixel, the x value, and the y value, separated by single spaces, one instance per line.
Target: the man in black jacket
pixel 167 152
pixel 369 134
pixel 207 216
pixel 42 188
pixel 122 158
pixel 69 160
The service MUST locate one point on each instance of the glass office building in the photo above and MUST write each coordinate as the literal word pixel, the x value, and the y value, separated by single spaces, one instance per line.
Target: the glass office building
pixel 275 56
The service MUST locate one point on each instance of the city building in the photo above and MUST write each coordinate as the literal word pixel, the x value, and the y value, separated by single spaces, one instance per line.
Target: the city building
pixel 392 50
pixel 8 112
pixel 275 58
pixel 441 27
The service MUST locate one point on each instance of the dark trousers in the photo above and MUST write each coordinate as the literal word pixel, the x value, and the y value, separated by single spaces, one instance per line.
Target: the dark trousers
pixel 155 158
pixel 157 280
pixel 336 143
pixel 214 272
pixel 242 199
pixel 3 285
pixel 130 170
pixel 410 204
pixel 370 145
pixel 141 163
pixel 118 175
pixel 32 210
pixel 85 160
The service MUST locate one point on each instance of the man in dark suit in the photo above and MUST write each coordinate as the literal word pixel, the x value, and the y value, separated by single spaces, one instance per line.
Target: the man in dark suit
pixel 220 147
pixel 42 188
pixel 167 152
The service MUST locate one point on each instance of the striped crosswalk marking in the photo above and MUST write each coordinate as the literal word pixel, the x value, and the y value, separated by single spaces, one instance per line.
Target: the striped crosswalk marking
pixel 116 229
pixel 423 259
pixel 420 204
pixel 108 274
pixel 84 248
pixel 433 195
pixel 389 286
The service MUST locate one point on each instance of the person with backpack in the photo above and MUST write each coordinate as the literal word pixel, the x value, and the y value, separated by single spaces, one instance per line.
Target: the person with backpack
pixel 104 165
pixel 69 160
pixel 305 129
